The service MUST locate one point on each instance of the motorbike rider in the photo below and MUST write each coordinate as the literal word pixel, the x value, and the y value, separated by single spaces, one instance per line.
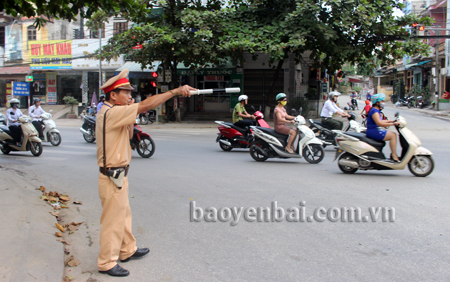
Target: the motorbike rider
pixel 353 96
pixel 366 108
pixel 330 108
pixel 280 118
pixel 100 104
pixel 35 113
pixel 374 121
pixel 13 114
pixel 239 113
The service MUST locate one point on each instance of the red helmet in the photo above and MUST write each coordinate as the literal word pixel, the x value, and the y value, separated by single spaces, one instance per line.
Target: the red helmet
pixel 367 102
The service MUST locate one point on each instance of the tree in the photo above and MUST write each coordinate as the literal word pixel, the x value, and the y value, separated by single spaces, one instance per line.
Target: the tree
pixel 43 11
pixel 71 101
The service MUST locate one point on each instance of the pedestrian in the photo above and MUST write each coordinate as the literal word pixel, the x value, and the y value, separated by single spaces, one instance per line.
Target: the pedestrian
pixel 114 129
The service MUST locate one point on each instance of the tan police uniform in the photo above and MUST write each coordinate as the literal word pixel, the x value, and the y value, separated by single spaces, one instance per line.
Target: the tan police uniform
pixel 116 238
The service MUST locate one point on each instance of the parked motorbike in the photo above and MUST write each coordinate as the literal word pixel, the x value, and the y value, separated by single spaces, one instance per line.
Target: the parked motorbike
pixel 51 134
pixel 2 119
pixel 88 128
pixel 147 116
pixel 420 102
pixel 231 136
pixel 270 144
pixel 357 151
pixel 327 136
pixel 411 101
pixel 142 142
pixel 29 138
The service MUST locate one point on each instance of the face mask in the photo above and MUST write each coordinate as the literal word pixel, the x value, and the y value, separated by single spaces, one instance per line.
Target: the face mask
pixel 283 103
pixel 382 105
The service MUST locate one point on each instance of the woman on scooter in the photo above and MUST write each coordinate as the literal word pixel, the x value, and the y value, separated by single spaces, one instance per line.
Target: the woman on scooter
pixel 374 121
pixel 280 118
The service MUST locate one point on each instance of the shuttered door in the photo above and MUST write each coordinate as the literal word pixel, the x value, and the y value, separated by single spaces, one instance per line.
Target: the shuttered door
pixel 257 84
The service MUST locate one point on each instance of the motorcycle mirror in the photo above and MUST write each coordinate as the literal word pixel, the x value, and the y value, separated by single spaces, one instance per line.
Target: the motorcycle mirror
pixel 260 108
pixel 253 108
pixel 397 114
pixel 293 112
pixel 300 110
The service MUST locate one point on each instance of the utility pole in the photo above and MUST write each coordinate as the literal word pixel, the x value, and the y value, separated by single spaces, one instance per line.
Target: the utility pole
pixel 438 71
pixel 100 61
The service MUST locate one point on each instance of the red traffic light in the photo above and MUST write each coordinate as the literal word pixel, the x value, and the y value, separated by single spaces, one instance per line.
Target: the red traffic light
pixel 421 28
pixel 414 24
pixel 153 84
pixel 154 74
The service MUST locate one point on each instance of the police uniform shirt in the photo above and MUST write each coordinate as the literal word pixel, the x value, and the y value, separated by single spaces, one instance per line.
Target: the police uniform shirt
pixel 117 141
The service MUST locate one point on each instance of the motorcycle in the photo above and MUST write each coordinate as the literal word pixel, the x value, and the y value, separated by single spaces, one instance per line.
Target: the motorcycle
pixel 29 138
pixel 147 116
pixel 420 102
pixel 327 136
pixel 51 134
pixel 2 119
pixel 231 136
pixel 270 144
pixel 410 102
pixel 357 151
pixel 142 142
pixel 88 128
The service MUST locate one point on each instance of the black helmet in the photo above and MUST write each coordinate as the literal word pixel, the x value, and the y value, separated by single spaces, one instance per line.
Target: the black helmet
pixel 102 97
pixel 352 116
pixel 35 100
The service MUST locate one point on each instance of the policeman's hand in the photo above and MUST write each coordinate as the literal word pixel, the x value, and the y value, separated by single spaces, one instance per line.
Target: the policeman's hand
pixel 183 91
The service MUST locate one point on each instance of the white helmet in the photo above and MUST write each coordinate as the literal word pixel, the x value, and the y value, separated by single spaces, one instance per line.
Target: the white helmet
pixel 14 103
pixel 243 97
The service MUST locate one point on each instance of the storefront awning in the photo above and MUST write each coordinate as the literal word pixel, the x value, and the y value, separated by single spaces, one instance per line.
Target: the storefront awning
pixel 354 80
pixel 136 67
pixel 15 70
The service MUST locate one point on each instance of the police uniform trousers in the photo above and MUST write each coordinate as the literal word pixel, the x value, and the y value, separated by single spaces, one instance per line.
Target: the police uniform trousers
pixel 116 239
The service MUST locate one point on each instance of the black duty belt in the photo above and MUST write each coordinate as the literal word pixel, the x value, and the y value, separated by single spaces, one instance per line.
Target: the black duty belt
pixel 104 170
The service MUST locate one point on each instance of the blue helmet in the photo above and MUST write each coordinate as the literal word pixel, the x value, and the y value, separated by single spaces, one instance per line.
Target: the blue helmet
pixel 378 98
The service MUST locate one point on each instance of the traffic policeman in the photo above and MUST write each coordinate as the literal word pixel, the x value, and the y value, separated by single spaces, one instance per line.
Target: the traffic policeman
pixel 114 128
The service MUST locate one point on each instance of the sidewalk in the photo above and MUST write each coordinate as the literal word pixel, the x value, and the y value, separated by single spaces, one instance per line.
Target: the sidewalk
pixel 443 114
pixel 30 251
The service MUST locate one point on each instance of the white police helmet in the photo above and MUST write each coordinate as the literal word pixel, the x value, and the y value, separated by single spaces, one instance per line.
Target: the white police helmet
pixel 242 98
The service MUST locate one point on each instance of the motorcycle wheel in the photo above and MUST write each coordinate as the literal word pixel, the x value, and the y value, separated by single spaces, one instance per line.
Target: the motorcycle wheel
pixel 224 147
pixel 36 148
pixel 421 170
pixel 347 169
pixel 54 138
pixel 409 105
pixel 144 120
pixel 146 147
pixel 5 150
pixel 317 153
pixel 256 155
pixel 89 138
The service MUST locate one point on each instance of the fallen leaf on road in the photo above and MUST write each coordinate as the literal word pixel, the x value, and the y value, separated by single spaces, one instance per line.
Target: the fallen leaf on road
pixel 54 213
pixel 73 223
pixel 42 188
pixel 58 234
pixel 73 227
pixel 68 259
pixel 62 241
pixel 77 202
pixel 51 199
pixel 64 198
pixel 68 279
pixel 59 226
pixel 66 250
pixel 73 263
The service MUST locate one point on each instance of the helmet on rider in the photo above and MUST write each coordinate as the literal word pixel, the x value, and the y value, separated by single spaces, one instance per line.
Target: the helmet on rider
pixel 378 98
pixel 242 98
pixel 280 96
pixel 35 100
pixel 102 97
pixel 14 103
pixel 367 102
pixel 333 94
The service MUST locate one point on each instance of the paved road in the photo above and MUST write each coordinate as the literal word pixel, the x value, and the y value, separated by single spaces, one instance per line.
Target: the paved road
pixel 189 166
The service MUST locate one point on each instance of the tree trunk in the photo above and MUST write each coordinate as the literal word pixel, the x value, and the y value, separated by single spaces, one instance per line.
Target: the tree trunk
pixel 271 97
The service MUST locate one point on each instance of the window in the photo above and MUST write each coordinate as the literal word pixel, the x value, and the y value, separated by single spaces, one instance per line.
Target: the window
pixel 120 27
pixel 31 33
pixel 94 33
pixel 2 36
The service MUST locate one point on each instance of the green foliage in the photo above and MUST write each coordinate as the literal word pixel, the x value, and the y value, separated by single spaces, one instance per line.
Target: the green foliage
pixel 311 94
pixel 416 90
pixel 349 69
pixel 357 88
pixel 69 100
pixel 298 102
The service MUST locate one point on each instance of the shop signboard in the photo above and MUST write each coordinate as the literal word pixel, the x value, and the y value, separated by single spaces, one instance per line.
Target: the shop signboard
pixel 83 53
pixel 50 54
pixel 51 88
pixel 213 78
pixel 20 88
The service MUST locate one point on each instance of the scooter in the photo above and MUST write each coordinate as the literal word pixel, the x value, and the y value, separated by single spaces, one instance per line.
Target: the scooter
pixel 142 142
pixel 51 134
pixel 411 101
pixel 30 138
pixel 231 136
pixel 357 151
pixel 270 144
pixel 147 116
pixel 327 136
pixel 420 102
pixel 88 128
pixel 2 119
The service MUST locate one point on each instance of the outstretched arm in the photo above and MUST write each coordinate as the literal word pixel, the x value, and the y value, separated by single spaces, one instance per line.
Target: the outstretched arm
pixel 156 100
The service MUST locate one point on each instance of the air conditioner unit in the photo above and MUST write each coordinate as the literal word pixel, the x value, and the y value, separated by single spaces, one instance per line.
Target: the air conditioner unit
pixel 444 71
